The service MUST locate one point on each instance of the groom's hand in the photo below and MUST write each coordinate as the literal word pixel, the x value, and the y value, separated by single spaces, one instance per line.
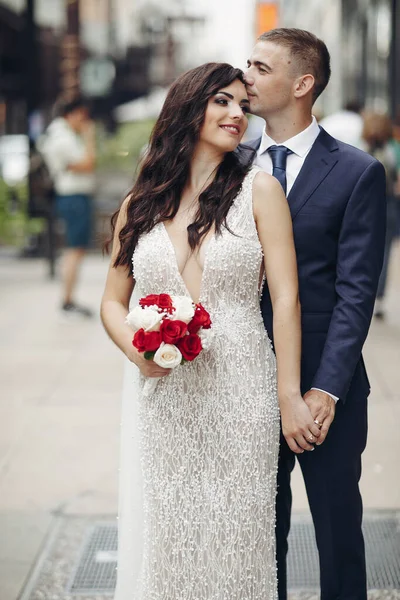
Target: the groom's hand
pixel 298 425
pixel 322 407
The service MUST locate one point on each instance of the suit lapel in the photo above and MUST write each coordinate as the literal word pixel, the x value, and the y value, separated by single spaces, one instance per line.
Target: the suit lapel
pixel 319 162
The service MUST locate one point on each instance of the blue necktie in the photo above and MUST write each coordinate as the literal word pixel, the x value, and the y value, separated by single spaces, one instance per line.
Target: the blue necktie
pixel 278 156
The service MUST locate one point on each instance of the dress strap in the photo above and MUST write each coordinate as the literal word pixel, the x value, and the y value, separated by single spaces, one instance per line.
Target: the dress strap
pixel 245 214
pixel 248 180
pixel 247 186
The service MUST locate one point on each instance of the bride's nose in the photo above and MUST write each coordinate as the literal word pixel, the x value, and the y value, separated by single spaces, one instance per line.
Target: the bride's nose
pixel 236 112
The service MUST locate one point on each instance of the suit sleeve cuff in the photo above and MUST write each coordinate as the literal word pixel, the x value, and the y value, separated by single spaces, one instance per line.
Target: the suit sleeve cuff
pixel 335 398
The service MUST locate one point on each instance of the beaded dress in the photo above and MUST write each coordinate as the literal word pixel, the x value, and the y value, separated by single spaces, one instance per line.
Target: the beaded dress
pixel 199 456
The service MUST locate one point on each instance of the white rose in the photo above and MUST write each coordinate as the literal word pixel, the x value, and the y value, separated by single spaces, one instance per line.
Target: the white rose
pixel 206 336
pixel 168 356
pixel 184 309
pixel 146 318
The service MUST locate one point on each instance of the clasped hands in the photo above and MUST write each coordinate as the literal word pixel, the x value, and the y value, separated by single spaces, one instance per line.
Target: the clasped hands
pixel 306 421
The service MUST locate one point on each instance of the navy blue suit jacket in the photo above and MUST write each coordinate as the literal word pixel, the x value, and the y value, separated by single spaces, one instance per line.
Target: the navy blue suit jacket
pixel 338 207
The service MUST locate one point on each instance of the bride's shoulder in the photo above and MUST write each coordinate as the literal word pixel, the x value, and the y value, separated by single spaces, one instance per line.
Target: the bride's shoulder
pixel 260 188
pixel 263 183
pixel 267 195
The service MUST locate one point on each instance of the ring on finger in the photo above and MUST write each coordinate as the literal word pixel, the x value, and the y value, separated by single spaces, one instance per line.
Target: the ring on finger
pixel 310 438
pixel 318 424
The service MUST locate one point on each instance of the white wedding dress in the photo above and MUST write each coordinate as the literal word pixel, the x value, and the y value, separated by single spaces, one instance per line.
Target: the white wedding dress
pixel 199 456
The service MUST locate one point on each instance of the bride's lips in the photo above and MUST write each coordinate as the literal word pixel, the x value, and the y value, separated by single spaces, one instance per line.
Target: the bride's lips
pixel 233 129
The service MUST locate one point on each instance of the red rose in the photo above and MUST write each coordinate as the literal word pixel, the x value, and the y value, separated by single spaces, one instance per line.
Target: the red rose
pixel 200 319
pixel 172 331
pixel 190 346
pixel 165 302
pixel 150 300
pixel 147 341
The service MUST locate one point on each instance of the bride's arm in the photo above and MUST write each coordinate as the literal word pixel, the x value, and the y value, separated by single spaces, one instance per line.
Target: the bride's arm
pixel 115 307
pixel 274 226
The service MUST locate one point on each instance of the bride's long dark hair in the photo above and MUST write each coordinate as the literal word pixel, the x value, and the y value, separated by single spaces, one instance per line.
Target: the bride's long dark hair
pixel 165 168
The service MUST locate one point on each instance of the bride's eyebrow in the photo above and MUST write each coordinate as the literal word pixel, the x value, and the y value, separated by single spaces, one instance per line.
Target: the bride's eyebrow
pixel 225 94
pixel 244 100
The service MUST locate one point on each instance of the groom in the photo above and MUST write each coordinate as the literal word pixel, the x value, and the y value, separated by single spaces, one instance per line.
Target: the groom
pixel 336 195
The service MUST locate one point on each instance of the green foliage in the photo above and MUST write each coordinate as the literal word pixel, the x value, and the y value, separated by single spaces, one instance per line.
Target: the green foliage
pixel 149 355
pixel 122 150
pixel 119 152
pixel 15 226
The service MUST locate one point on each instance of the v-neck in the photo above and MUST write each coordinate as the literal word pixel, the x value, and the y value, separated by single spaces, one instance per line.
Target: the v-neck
pixel 179 274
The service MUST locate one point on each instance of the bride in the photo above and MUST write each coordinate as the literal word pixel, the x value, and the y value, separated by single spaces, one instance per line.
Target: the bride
pixel 199 456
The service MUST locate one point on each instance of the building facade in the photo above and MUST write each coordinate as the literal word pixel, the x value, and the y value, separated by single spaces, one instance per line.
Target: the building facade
pixel 363 37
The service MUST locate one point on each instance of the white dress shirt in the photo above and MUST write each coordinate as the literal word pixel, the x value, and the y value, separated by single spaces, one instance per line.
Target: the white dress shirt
pixel 300 145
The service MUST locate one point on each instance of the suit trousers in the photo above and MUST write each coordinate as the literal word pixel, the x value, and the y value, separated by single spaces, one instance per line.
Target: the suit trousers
pixel 331 474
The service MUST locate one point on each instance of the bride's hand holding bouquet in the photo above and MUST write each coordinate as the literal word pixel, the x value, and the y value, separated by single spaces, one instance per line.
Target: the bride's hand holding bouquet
pixel 169 331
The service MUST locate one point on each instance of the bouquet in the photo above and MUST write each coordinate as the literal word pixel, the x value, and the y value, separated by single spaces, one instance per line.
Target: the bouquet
pixel 171 330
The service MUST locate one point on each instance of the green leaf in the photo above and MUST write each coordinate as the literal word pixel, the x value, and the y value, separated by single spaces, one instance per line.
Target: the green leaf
pixel 149 355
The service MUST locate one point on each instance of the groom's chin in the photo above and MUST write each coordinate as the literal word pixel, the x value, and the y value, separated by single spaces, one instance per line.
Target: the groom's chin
pixel 253 110
pixel 253 106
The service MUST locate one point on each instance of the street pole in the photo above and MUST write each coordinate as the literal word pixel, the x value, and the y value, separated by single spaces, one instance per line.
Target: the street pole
pixel 31 83
pixel 70 87
pixel 32 87
pixel 70 53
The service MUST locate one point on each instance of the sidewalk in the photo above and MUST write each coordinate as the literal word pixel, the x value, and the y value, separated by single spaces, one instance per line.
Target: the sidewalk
pixel 60 403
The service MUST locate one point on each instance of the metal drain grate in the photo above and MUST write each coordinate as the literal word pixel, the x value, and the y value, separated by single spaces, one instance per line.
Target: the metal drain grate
pixel 302 562
pixel 382 541
pixel 382 547
pixel 95 572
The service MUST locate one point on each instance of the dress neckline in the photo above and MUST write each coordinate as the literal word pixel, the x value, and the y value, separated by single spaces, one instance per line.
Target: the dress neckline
pixel 176 268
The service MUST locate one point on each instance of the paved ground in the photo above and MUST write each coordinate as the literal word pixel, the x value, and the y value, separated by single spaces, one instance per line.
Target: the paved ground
pixel 59 412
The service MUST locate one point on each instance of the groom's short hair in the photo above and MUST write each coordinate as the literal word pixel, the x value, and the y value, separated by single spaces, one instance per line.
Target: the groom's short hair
pixel 309 54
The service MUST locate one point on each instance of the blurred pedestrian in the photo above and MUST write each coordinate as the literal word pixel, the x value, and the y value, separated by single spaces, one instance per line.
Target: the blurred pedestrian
pixel 346 125
pixel 378 137
pixel 69 149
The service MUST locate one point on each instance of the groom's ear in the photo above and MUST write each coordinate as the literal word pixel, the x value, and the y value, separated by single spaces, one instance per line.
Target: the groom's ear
pixel 303 85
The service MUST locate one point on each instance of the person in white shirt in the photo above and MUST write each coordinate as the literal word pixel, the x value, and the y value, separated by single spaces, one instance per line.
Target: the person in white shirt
pixel 336 196
pixel 346 125
pixel 69 150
